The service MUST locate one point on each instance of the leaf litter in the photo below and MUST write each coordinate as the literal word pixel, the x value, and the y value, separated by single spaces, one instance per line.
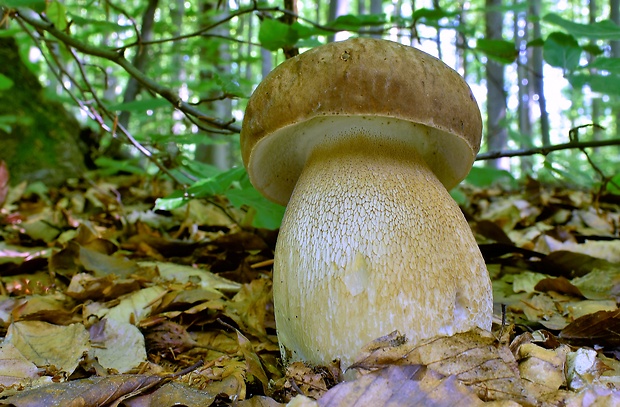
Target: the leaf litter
pixel 105 302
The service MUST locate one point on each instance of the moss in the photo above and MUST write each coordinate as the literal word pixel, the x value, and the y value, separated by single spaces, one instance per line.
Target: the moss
pixel 43 144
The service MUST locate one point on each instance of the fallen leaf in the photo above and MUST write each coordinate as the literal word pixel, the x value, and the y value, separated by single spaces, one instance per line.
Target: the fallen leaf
pixel 48 345
pixel 406 385
pixel 473 357
pixel 601 328
pixel 95 391
pixel 118 345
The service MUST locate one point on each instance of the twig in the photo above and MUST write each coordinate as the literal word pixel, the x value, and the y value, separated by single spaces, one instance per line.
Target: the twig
pixel 544 150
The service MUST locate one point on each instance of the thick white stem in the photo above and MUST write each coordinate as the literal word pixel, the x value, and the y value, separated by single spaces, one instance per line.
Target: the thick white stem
pixel 371 243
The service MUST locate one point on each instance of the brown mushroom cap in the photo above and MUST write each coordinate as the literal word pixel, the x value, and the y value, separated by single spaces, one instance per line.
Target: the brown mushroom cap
pixel 364 78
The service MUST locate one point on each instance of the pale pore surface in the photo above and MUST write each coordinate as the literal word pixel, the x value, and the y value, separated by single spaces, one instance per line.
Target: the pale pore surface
pixel 371 243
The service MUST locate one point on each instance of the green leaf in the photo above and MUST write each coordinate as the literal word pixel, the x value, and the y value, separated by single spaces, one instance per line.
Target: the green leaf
pixel 603 30
pixel 484 177
pixel 172 201
pixel 9 32
pixel 108 166
pixel 562 51
pixel 502 51
pixel 216 185
pixel 432 14
pixel 101 26
pixel 37 5
pixel 354 22
pixel 536 42
pixel 606 84
pixel 268 214
pixel 614 185
pixel 57 14
pixel 141 105
pixel 6 121
pixel 5 82
pixel 605 64
pixel 274 35
pixel 229 84
pixel 307 31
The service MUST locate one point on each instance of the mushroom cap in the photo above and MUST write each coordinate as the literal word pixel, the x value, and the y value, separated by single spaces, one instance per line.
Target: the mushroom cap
pixel 365 78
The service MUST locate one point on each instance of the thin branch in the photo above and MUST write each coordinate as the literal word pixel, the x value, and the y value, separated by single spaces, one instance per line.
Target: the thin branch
pixel 544 150
pixel 119 59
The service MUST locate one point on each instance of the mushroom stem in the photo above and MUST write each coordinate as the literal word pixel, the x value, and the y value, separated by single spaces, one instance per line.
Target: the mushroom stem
pixel 372 242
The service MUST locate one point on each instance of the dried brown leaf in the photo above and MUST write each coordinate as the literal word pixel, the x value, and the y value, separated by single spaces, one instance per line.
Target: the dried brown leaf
pixel 473 357
pixel 601 328
pixel 559 285
pixel 96 391
pixel 398 386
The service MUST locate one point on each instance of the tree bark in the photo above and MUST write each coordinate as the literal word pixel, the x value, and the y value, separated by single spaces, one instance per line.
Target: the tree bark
pixel 497 135
pixel 537 74
pixel 521 33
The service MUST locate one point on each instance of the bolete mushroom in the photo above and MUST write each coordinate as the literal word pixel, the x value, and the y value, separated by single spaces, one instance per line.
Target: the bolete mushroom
pixel 362 139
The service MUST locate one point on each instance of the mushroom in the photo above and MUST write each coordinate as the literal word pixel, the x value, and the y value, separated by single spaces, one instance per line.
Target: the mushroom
pixel 363 139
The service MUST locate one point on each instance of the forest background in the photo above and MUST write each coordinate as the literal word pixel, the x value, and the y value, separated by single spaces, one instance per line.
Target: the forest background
pixel 129 210
pixel 160 87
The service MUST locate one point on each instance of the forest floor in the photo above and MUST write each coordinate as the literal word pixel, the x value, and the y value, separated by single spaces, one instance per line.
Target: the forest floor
pixel 105 302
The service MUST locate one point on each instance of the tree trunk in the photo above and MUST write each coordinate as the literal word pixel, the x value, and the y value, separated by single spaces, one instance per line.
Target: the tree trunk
pixel 537 74
pixel 337 8
pixel 596 100
pixel 140 61
pixel 523 107
pixel 614 15
pixel 497 135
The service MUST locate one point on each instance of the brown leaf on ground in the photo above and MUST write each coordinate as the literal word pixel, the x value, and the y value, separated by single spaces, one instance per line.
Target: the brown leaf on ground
pixel 600 328
pixel 474 357
pixel 406 385
pixel 95 391
pixel 559 285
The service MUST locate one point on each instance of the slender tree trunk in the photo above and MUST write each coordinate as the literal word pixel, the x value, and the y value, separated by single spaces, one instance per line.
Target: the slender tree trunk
pixel 537 74
pixel 497 135
pixel 461 42
pixel 337 8
pixel 596 101
pixel 614 15
pixel 523 112
pixel 140 61
pixel 218 153
pixel 438 34
pixel 376 7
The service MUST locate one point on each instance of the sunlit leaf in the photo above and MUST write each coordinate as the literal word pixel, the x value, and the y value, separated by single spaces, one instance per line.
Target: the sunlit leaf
pixel 57 14
pixel 499 50
pixel 5 82
pixel 141 105
pixel 562 51
pixel 605 64
pixel 484 177
pixel 274 35
pixel 607 84
pixel 603 30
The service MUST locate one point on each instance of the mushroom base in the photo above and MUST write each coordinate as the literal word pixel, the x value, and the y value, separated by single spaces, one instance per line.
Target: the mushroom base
pixel 372 242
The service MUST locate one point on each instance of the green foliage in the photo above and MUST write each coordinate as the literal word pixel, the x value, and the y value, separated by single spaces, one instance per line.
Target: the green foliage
pixel 603 30
pixel 234 185
pixel 484 177
pixel 108 166
pixel 5 82
pixel 142 105
pixel 57 14
pixel 562 50
pixel 498 50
